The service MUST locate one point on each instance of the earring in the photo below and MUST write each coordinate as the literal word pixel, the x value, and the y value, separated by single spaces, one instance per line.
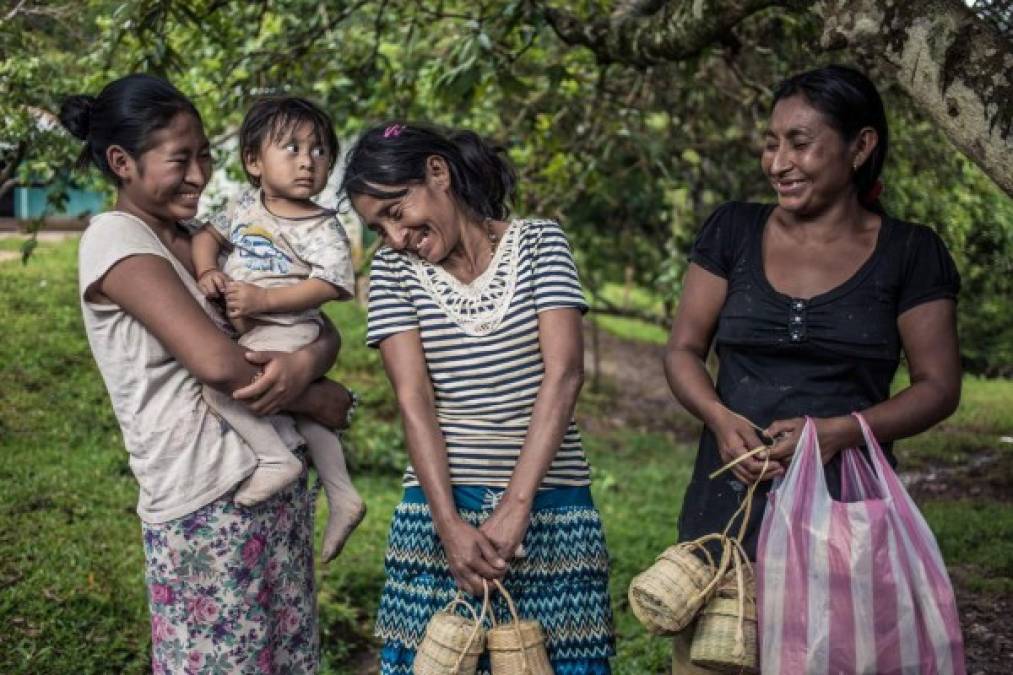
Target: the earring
pixel 854 166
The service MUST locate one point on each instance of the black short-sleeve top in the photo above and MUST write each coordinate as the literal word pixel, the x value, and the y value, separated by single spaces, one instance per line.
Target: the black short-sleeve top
pixel 782 357
pixel 826 355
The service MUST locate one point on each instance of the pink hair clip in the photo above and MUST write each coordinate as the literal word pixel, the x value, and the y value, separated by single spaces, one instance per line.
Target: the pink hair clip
pixel 393 131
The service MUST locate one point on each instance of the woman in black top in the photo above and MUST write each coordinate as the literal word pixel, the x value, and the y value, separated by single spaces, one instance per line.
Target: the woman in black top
pixel 810 302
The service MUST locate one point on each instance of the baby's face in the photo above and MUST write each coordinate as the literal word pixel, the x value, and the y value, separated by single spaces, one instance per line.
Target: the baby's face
pixel 294 166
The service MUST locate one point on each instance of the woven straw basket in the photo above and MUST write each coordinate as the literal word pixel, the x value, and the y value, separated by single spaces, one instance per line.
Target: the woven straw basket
pixel 725 635
pixel 453 643
pixel 516 648
pixel 667 595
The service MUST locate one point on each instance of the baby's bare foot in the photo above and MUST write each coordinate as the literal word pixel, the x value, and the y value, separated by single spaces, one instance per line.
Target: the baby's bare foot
pixel 342 519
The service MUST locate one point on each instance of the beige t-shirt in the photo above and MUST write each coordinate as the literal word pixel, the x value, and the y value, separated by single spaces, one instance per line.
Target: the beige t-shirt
pixel 182 455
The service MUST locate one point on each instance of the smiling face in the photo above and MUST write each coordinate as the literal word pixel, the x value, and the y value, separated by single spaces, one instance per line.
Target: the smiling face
pixel 424 220
pixel 293 166
pixel 807 160
pixel 166 180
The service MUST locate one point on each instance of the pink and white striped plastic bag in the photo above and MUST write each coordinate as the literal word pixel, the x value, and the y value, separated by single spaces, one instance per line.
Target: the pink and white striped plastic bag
pixel 851 586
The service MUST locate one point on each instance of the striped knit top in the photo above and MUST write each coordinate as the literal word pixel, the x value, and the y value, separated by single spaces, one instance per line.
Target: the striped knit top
pixel 480 342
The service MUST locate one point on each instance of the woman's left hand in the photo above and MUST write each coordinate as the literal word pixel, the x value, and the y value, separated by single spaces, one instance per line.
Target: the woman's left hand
pixel 833 433
pixel 506 527
pixel 284 377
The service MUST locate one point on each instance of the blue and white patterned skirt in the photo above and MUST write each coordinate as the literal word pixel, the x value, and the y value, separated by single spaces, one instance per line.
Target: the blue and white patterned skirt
pixel 562 582
pixel 231 589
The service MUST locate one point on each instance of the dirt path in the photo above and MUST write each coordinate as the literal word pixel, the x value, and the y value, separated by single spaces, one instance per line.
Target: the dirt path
pixel 632 378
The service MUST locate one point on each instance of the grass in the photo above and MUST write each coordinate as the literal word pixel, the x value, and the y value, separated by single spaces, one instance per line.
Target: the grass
pixel 985 415
pixel 977 536
pixel 11 243
pixel 71 586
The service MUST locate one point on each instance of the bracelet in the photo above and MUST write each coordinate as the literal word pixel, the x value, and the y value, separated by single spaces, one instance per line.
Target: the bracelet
pixel 352 407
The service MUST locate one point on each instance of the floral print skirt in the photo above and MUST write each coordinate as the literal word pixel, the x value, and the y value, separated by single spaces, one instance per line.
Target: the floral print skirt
pixel 231 588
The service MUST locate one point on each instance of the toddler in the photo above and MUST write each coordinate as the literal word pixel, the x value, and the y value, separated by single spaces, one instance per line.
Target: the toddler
pixel 286 256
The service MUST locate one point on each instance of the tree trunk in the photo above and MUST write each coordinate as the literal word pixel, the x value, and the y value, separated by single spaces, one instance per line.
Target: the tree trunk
pixel 7 170
pixel 6 186
pixel 955 66
pixel 679 30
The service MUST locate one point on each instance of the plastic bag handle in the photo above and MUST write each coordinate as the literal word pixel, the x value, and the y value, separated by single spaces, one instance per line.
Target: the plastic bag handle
pixel 859 480
pixel 805 471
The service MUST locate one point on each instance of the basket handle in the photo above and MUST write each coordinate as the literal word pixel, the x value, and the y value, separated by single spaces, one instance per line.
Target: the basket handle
pixel 733 545
pixel 479 619
pixel 740 560
pixel 699 544
pixel 722 565
pixel 516 622
pixel 747 502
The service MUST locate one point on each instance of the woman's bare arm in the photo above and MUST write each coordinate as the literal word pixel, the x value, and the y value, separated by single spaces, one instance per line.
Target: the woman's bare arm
pixel 470 555
pixel 148 288
pixel 703 296
pixel 560 338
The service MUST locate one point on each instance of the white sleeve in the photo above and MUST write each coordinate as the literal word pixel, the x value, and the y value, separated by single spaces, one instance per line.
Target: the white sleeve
pixel 328 252
pixel 110 238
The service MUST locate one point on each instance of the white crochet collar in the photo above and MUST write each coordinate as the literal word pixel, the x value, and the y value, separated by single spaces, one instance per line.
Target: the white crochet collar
pixel 478 307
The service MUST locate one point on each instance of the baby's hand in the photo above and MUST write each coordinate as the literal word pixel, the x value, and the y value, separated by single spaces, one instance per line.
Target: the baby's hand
pixel 212 283
pixel 244 299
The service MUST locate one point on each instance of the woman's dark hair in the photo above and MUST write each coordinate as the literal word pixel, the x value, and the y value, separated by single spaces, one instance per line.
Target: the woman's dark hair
pixel 388 157
pixel 850 102
pixel 125 113
pixel 274 117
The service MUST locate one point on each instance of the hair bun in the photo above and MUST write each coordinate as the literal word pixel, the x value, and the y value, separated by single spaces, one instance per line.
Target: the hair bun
pixel 75 115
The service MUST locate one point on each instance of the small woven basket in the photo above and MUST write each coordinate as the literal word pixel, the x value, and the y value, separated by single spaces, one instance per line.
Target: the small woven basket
pixel 667 595
pixel 452 644
pixel 518 647
pixel 725 635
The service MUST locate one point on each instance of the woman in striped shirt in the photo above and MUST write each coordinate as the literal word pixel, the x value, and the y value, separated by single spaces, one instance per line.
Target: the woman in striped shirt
pixel 478 322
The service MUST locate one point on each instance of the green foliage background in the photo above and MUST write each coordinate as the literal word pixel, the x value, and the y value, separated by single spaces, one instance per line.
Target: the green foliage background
pixel 631 160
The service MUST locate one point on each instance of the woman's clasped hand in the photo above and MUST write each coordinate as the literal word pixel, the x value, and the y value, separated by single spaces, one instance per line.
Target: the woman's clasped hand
pixel 471 555
pixel 737 440
pixel 763 454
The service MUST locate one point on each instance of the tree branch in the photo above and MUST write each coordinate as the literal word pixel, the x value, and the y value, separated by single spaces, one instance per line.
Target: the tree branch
pixel 7 185
pixel 14 12
pixel 679 30
pixel 628 8
pixel 7 180
pixel 955 65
